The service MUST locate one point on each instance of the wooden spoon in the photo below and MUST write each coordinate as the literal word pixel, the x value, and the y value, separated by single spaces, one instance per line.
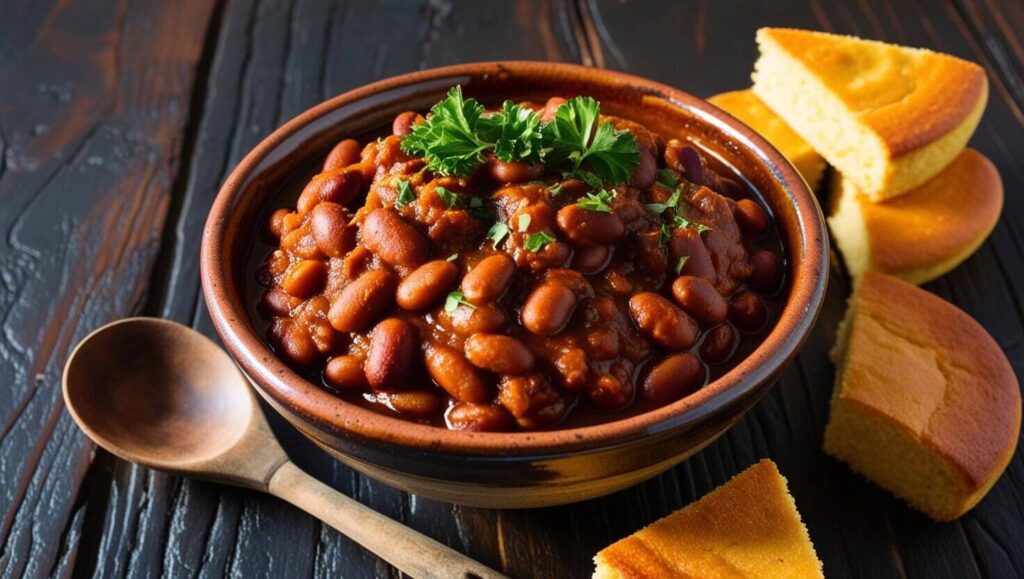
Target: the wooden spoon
pixel 162 395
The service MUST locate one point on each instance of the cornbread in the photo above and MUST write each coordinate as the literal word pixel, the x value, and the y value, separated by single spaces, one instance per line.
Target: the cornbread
pixel 925 232
pixel 745 106
pixel 925 403
pixel 888 117
pixel 748 527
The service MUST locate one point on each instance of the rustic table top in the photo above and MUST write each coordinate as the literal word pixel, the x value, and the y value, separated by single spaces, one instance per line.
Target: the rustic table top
pixel 120 119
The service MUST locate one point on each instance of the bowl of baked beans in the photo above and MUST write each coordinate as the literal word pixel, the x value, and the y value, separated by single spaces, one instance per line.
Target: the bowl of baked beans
pixel 513 284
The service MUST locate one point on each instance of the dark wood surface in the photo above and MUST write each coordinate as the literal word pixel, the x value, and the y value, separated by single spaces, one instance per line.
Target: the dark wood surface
pixel 120 119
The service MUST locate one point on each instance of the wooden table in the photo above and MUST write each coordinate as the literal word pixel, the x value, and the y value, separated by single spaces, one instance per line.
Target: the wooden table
pixel 118 122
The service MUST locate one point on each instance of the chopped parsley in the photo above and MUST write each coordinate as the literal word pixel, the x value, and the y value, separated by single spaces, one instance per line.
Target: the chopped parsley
pixel 456 299
pixel 477 209
pixel 453 257
pixel 524 222
pixel 497 233
pixel 539 241
pixel 515 131
pixel 664 235
pixel 680 222
pixel 671 203
pixel 555 189
pixel 668 178
pixel 405 194
pixel 681 263
pixel 450 199
pixel 599 201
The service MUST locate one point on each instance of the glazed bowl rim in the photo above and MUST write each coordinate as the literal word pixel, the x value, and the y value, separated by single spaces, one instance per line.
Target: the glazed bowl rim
pixel 328 412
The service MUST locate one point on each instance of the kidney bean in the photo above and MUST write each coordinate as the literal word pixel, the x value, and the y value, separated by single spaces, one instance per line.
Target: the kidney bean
pixel 427 284
pixel 487 318
pixel 411 404
pixel 338 186
pixel 700 299
pixel 393 348
pixel 571 366
pixel 767 271
pixel 590 259
pixel 343 154
pixel 662 322
pixel 584 227
pixel 673 378
pixel 404 122
pixel 275 302
pixel 393 239
pixel 346 373
pixel 363 301
pixel 275 224
pixel 748 311
pixel 305 278
pixel 498 353
pixel 686 160
pixel 719 344
pixel 531 399
pixel 488 280
pixel 687 242
pixel 478 417
pixel 646 169
pixel 293 342
pixel 750 217
pixel 452 372
pixel 331 230
pixel 548 308
pixel 509 172
pixel 290 223
pixel 612 390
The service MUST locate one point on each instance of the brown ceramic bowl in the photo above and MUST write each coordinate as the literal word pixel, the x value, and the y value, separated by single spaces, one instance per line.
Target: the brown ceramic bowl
pixel 522 469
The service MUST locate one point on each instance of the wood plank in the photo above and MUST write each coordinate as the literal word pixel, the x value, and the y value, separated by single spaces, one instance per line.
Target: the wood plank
pixel 858 530
pixel 95 101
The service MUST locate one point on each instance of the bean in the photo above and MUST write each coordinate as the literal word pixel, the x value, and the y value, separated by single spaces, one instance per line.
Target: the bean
pixel 550 108
pixel 767 271
pixel 673 378
pixel 275 224
pixel 290 223
pixel 404 122
pixel 590 259
pixel 700 299
pixel 507 172
pixel 411 404
pixel 331 230
pixel 686 160
pixel 488 318
pixel 293 342
pixel 498 353
pixel 612 390
pixel 393 239
pixel 719 344
pixel 392 352
pixel 548 308
pixel 346 373
pixel 646 169
pixel 305 278
pixel 687 243
pixel 583 226
pixel 478 417
pixel 343 154
pixel 276 302
pixel 363 301
pixel 452 372
pixel 662 322
pixel 427 284
pixel 748 311
pixel 338 186
pixel 750 217
pixel 488 280
pixel 531 398
pixel 356 262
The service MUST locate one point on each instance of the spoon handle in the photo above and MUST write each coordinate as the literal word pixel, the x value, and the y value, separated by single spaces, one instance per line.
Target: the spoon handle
pixel 409 551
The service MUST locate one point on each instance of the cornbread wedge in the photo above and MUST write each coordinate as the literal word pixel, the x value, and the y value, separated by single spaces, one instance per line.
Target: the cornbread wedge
pixel 925 232
pixel 888 117
pixel 748 527
pixel 745 106
pixel 925 403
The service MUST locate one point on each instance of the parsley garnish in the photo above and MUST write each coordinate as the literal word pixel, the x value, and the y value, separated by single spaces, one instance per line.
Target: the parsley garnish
pixel 538 241
pixel 659 208
pixel 450 199
pixel 497 233
pixel 681 263
pixel 405 194
pixel 576 136
pixel 668 178
pixel 680 222
pixel 477 209
pixel 515 131
pixel 597 201
pixel 456 299
pixel 453 257
pixel 524 222
pixel 449 140
pixel 663 236
pixel 555 189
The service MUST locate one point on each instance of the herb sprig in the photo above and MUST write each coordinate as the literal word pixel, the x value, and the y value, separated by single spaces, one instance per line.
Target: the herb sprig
pixel 576 136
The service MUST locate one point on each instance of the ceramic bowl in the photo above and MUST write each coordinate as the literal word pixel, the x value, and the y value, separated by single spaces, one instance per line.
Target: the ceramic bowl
pixel 522 469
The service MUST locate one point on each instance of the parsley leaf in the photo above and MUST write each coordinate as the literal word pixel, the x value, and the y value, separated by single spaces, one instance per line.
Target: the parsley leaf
pixel 515 131
pixel 555 189
pixel 456 299
pixel 539 241
pixel 477 209
pixel 663 236
pixel 449 139
pixel 680 222
pixel 405 194
pixel 681 263
pixel 497 233
pixel 453 257
pixel 575 136
pixel 450 199
pixel 597 201
pixel 524 222
pixel 659 208
pixel 668 178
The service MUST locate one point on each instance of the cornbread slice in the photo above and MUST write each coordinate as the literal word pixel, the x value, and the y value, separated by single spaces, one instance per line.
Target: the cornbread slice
pixel 925 232
pixel 745 106
pixel 748 527
pixel 888 117
pixel 925 403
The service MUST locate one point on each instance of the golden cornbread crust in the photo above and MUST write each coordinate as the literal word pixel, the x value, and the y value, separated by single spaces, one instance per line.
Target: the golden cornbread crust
pixel 915 363
pixel 745 106
pixel 748 527
pixel 927 231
